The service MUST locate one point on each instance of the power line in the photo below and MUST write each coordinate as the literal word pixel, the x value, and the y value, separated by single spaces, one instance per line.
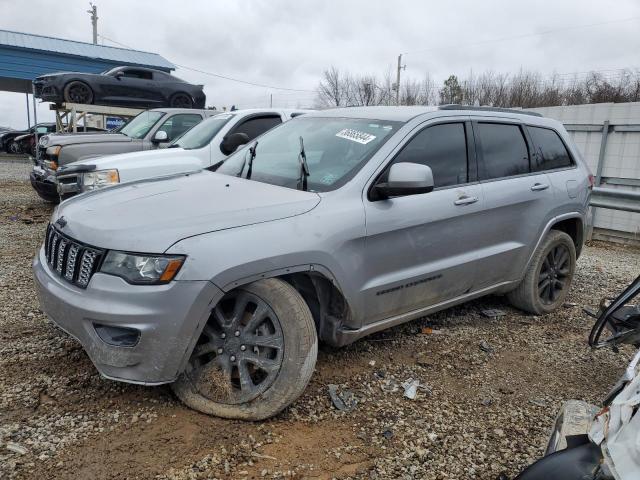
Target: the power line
pixel 224 77
pixel 527 35
pixel 217 75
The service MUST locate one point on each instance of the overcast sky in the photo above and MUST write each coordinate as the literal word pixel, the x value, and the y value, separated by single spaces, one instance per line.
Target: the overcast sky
pixel 288 43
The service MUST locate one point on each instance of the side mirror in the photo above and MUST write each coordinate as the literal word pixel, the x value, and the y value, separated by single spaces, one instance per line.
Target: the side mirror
pixel 406 179
pixel 119 74
pixel 230 143
pixel 160 136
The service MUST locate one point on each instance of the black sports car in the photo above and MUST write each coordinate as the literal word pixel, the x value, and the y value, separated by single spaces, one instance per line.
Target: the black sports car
pixel 123 86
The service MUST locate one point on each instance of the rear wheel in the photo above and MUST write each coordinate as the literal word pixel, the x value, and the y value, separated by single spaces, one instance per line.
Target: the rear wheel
pixel 181 100
pixel 546 283
pixel 78 92
pixel 255 355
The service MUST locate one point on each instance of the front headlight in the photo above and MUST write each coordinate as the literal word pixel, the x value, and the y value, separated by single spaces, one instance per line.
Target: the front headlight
pixel 44 141
pixel 142 269
pixel 54 150
pixel 100 179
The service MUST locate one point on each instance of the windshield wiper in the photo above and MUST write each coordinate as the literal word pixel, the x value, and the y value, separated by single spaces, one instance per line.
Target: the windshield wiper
pixel 304 168
pixel 252 154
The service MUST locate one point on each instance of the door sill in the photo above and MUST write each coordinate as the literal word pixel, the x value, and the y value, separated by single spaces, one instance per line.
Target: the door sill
pixel 345 337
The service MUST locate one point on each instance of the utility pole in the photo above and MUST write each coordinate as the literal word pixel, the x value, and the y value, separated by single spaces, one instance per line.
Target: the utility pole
pixel 94 21
pixel 400 67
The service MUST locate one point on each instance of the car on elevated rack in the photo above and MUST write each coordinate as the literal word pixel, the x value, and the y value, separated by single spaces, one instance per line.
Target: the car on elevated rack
pixel 148 130
pixel 121 86
pixel 206 145
pixel 329 227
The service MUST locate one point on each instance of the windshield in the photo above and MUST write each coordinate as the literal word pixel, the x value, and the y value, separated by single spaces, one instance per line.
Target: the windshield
pixel 140 125
pixel 111 71
pixel 335 149
pixel 203 133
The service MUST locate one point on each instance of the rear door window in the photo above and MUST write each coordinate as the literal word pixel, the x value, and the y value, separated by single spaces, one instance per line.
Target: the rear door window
pixel 550 152
pixel 504 150
pixel 443 148
pixel 256 126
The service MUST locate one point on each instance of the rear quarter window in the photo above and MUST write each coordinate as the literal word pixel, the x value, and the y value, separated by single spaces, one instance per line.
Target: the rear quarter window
pixel 550 151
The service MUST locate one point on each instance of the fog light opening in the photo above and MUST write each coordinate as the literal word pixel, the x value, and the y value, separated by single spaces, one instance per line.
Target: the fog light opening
pixel 117 336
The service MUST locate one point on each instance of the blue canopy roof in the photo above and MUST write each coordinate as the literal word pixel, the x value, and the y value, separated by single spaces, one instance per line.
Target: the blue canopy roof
pixel 24 56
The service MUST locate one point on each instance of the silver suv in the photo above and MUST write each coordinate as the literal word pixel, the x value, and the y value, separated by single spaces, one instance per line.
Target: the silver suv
pixel 330 227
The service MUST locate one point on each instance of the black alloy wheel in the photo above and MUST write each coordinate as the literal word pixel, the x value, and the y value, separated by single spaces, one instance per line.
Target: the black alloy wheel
pixel 78 92
pixel 181 100
pixel 554 271
pixel 240 351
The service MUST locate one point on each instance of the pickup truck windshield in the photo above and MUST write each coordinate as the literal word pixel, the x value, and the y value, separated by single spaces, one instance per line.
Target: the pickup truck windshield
pixel 140 125
pixel 203 133
pixel 335 149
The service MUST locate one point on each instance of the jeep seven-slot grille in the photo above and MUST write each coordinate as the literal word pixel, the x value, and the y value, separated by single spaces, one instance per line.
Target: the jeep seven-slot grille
pixel 71 260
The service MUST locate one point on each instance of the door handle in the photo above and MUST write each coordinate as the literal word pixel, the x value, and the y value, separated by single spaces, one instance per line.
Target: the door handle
pixel 465 200
pixel 536 187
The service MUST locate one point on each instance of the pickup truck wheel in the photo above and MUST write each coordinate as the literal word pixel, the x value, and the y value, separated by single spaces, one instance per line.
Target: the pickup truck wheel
pixel 255 355
pixel 78 92
pixel 546 283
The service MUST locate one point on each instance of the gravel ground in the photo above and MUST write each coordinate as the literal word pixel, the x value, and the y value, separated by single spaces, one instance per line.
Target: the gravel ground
pixel 489 389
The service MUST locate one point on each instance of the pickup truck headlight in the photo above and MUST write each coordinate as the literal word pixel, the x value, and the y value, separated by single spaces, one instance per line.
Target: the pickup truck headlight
pixel 44 141
pixel 142 269
pixel 99 179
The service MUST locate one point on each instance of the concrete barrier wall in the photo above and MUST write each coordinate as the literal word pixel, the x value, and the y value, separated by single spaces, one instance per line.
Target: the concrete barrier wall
pixel 608 136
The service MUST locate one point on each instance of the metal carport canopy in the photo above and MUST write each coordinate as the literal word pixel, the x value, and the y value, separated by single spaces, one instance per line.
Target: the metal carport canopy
pixel 24 57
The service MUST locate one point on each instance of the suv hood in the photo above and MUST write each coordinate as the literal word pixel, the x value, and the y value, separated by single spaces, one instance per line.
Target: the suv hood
pixel 151 215
pixel 74 138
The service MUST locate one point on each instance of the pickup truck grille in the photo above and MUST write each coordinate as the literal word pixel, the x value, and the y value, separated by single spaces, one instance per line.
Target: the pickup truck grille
pixel 71 260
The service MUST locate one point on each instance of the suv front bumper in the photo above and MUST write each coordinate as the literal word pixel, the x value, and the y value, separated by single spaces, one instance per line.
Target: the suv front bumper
pixel 169 318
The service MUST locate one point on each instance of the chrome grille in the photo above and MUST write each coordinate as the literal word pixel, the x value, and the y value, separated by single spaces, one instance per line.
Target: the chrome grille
pixel 71 260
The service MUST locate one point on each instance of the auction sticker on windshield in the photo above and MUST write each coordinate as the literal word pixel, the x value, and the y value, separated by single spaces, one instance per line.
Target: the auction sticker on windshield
pixel 355 136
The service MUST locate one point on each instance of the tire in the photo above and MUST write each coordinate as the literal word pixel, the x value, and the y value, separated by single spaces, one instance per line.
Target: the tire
pixel 78 92
pixel 49 198
pixel 528 296
pixel 14 147
pixel 181 100
pixel 208 384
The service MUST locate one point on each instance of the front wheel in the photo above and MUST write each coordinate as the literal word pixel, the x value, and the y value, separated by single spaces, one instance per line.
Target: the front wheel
pixel 255 355
pixel 78 92
pixel 546 283
pixel 14 147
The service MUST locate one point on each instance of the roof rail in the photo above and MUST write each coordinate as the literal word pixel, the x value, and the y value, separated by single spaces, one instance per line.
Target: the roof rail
pixel 455 106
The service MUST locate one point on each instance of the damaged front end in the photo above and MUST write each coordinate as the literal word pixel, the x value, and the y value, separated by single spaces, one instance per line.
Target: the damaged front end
pixel 593 443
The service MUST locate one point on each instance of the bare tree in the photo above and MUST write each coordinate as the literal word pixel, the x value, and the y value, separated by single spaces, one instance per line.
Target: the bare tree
pixel 331 88
pixel 524 89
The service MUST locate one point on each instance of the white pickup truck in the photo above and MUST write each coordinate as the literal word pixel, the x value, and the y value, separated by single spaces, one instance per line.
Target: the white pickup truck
pixel 205 145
